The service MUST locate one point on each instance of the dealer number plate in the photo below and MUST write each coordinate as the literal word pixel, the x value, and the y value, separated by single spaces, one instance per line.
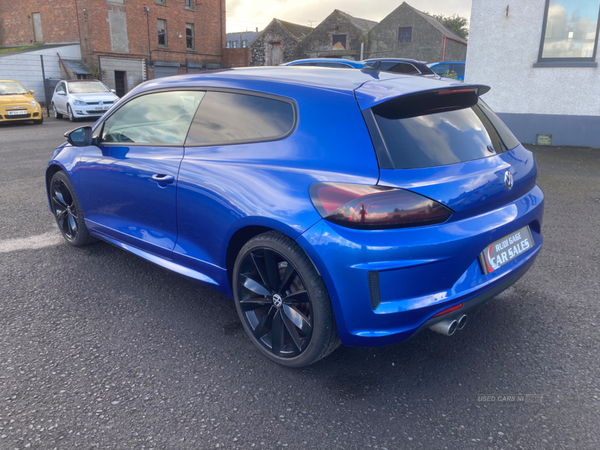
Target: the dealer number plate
pixel 17 113
pixel 506 249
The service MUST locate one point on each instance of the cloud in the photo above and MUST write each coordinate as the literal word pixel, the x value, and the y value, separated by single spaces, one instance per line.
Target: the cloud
pixel 242 14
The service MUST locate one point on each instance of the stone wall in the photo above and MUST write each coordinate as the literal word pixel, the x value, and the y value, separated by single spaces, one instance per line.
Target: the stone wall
pixel 263 49
pixel 319 43
pixel 426 40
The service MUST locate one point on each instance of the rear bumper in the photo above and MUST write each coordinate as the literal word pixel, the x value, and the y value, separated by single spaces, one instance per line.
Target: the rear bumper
pixel 421 271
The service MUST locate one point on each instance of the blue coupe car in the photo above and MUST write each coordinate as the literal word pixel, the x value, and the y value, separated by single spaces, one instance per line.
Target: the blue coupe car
pixel 330 205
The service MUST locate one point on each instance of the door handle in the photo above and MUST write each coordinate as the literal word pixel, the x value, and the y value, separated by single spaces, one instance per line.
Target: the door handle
pixel 162 178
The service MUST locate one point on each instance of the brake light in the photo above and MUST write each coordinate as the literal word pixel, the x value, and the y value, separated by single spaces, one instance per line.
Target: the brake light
pixel 375 207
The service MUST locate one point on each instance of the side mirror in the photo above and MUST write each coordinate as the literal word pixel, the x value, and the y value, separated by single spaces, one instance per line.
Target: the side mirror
pixel 32 92
pixel 80 137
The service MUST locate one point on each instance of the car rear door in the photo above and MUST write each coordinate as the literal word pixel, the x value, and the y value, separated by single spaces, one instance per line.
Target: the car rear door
pixel 128 182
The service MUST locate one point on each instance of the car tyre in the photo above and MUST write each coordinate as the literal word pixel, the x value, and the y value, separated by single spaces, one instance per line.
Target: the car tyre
pixel 39 121
pixel 282 301
pixel 57 115
pixel 67 211
pixel 72 117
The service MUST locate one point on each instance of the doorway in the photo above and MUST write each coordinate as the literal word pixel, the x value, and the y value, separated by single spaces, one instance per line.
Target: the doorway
pixel 120 83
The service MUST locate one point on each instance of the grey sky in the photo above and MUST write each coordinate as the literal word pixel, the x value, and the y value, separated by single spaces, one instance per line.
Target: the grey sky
pixel 249 14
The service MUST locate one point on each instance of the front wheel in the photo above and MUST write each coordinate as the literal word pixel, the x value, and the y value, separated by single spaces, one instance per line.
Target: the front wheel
pixel 282 301
pixel 72 117
pixel 67 211
pixel 40 120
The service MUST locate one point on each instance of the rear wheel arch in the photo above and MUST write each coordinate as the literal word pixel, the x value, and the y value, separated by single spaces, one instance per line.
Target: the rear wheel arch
pixel 237 241
pixel 245 234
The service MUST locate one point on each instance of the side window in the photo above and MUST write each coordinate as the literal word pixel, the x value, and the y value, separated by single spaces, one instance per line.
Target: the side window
pixel 441 69
pixel 410 69
pixel 387 66
pixel 228 118
pixel 159 118
pixel 459 69
pixel 60 88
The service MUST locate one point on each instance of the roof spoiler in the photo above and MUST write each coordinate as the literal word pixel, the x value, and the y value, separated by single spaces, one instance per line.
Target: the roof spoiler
pixel 432 101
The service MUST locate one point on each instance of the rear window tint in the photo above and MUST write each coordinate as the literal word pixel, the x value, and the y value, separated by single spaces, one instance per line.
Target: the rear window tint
pixel 416 136
pixel 228 118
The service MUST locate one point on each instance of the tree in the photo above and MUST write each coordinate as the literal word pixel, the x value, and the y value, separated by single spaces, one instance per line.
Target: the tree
pixel 456 23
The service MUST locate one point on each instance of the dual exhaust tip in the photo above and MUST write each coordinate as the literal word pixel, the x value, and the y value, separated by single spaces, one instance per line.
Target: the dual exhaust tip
pixel 450 326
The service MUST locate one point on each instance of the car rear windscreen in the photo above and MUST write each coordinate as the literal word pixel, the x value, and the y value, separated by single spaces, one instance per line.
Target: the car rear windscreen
pixel 437 129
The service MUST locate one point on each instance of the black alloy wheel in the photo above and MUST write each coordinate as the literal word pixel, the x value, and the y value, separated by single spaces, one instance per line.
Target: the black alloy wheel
pixel 67 211
pixel 282 301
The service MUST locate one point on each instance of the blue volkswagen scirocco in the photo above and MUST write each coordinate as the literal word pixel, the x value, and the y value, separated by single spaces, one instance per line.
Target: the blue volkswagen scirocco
pixel 332 206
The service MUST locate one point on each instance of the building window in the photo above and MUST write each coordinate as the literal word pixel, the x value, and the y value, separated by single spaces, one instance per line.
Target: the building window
pixel 189 4
pixel 404 34
pixel 161 2
pixel 234 44
pixel 162 32
pixel 244 43
pixel 228 44
pixel 338 42
pixel 570 30
pixel 189 36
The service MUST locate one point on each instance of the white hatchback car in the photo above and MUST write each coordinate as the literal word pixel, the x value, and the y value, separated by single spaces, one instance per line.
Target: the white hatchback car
pixel 82 98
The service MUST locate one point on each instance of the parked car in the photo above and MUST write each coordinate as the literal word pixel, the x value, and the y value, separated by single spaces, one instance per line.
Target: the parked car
pixel 402 65
pixel 78 99
pixel 454 66
pixel 18 104
pixel 337 63
pixel 293 193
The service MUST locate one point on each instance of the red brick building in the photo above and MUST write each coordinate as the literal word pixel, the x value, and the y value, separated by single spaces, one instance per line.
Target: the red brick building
pixel 131 40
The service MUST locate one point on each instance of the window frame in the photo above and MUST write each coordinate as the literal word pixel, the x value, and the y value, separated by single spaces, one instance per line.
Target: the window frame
pixel 565 62
pixel 189 4
pixel 339 37
pixel 166 44
pixel 98 130
pixel 410 39
pixel 191 27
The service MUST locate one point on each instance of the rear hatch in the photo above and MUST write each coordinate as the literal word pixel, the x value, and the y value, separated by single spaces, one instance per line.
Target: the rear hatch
pixel 443 142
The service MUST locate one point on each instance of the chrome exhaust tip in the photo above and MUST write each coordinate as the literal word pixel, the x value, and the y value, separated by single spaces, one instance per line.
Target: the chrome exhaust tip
pixel 462 321
pixel 446 327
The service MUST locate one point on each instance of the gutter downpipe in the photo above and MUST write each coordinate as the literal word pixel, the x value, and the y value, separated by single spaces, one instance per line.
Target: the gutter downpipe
pixel 444 50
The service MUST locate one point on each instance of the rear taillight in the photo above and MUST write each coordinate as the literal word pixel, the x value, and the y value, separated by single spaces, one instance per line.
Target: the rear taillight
pixel 375 207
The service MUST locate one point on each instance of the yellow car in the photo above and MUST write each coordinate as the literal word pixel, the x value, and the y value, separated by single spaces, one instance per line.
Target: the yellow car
pixel 17 103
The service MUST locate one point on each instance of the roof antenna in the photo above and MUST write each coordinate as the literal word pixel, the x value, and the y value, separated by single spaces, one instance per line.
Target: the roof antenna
pixel 374 68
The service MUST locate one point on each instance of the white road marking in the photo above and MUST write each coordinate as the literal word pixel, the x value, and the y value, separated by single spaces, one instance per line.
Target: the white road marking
pixel 32 242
